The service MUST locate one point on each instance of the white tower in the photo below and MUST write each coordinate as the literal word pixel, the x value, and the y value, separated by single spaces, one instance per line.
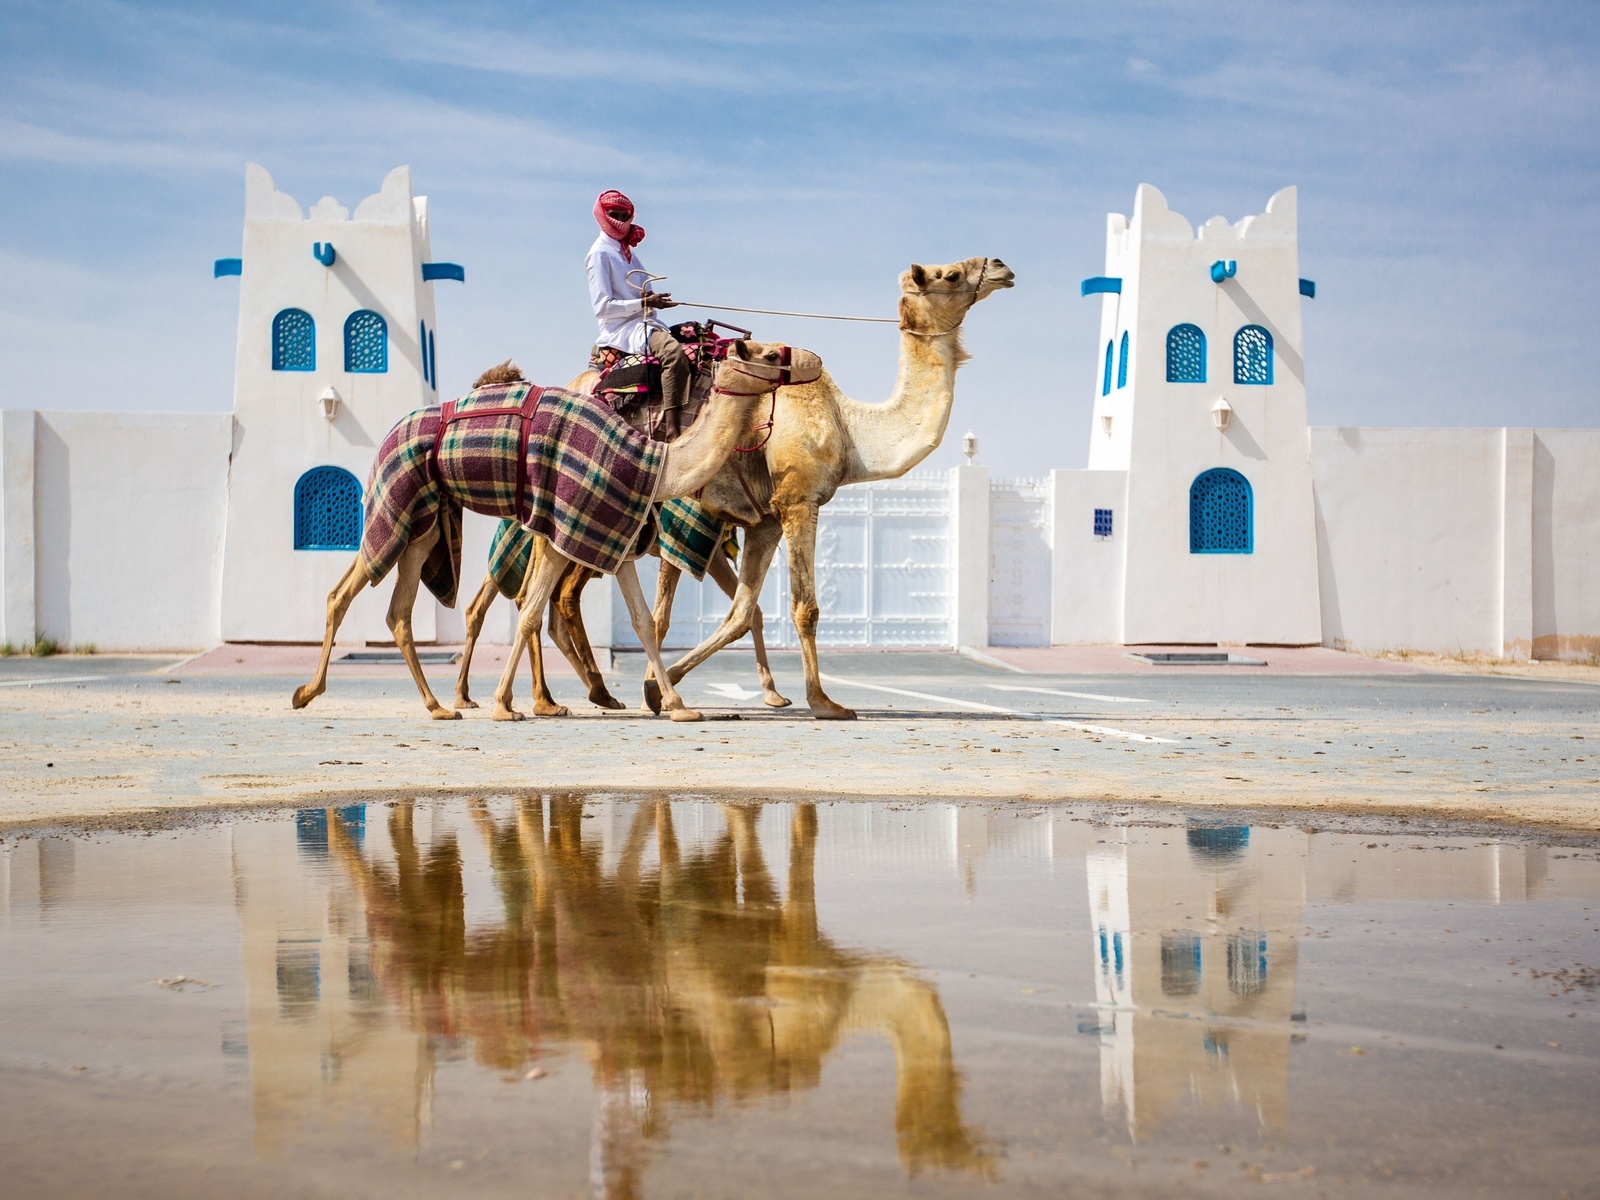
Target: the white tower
pixel 336 343
pixel 1200 424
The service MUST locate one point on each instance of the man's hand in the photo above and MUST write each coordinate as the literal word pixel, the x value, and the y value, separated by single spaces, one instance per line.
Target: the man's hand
pixel 659 300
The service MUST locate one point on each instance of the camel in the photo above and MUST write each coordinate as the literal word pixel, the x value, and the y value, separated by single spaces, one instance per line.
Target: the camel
pixel 566 614
pixel 749 373
pixel 819 440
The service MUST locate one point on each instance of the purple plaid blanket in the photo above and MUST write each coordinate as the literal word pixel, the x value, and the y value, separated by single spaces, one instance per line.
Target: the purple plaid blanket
pixel 587 481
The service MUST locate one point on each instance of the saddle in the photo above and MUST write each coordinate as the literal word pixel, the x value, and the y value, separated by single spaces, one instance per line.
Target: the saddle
pixel 630 384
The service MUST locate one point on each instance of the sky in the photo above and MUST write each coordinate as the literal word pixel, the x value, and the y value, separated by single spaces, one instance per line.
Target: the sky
pixel 799 156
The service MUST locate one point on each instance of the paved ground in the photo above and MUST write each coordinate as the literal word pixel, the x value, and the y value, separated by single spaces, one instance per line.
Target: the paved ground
pixel 84 737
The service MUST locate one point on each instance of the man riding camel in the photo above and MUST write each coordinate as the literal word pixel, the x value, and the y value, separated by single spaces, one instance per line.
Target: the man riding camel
pixel 624 305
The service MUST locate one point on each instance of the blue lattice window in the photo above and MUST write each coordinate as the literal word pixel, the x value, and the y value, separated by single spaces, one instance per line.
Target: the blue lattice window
pixel 327 510
pixel 1105 385
pixel 1252 355
pixel 1247 963
pixel 1122 362
pixel 294 341
pixel 366 343
pixel 1102 522
pixel 1220 517
pixel 1186 354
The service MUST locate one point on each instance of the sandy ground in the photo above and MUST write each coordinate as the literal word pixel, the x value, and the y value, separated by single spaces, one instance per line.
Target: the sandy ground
pixel 91 739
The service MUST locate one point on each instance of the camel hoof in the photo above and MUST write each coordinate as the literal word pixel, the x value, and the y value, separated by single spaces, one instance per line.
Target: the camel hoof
pixel 445 714
pixel 303 695
pixel 558 710
pixel 502 713
pixel 652 696
pixel 773 700
pixel 606 700
pixel 829 711
pixel 685 714
pixel 463 702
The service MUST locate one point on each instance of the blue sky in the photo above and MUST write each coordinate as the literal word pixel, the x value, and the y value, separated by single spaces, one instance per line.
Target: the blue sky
pixel 800 156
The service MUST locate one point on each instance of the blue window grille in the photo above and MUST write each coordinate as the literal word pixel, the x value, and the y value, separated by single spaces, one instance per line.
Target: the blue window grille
pixel 433 362
pixel 1102 522
pixel 327 510
pixel 294 341
pixel 1122 362
pixel 366 343
pixel 1220 517
pixel 1105 385
pixel 1186 354
pixel 1252 355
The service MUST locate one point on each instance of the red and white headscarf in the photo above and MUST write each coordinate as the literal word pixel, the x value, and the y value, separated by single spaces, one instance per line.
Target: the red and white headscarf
pixel 625 232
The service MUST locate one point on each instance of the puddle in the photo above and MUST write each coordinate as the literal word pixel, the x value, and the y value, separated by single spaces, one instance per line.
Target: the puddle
pixel 621 998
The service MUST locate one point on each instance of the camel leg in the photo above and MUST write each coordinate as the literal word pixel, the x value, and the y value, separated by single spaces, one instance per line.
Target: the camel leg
pixel 544 572
pixel 567 622
pixel 644 625
pixel 544 704
pixel 722 572
pixel 761 542
pixel 666 589
pixel 351 582
pixel 408 574
pixel 800 531
pixel 476 612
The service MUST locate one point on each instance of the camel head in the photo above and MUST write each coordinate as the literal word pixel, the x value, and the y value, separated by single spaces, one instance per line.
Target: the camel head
pixel 755 368
pixel 506 372
pixel 935 299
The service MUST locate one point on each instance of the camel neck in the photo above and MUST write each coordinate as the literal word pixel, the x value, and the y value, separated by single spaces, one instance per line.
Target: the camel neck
pixel 701 452
pixel 893 437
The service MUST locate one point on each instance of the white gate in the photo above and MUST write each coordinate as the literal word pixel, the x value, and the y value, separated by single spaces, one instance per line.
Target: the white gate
pixel 1019 563
pixel 885 574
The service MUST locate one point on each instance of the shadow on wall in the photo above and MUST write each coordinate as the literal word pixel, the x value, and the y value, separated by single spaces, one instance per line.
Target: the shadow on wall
pixel 52 534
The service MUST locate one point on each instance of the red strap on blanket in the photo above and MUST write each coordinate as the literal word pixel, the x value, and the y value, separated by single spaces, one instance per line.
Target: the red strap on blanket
pixel 448 413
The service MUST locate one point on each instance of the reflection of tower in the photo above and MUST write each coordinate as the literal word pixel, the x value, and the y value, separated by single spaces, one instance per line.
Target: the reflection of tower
pixel 1195 968
pixel 323 1042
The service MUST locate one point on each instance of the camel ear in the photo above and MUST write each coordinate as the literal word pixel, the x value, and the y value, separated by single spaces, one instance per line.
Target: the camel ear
pixel 740 350
pixel 919 275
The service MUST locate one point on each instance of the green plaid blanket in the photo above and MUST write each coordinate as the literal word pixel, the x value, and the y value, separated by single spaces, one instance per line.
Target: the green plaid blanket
pixel 686 533
pixel 588 481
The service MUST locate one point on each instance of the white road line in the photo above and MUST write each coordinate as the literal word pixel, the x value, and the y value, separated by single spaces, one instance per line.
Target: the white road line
pixel 60 679
pixel 1098 730
pixel 1010 687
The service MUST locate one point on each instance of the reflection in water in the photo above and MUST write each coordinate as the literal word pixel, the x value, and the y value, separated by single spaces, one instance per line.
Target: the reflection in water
pixel 681 973
pixel 1195 946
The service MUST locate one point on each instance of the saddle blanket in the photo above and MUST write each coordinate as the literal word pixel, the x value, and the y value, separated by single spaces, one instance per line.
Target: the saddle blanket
pixel 588 480
pixel 685 532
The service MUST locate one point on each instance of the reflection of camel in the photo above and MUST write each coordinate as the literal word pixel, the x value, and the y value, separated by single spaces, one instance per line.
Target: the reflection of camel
pixel 687 982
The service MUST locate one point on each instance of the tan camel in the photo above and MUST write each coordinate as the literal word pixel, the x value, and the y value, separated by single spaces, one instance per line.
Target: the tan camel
pixel 566 614
pixel 749 373
pixel 821 440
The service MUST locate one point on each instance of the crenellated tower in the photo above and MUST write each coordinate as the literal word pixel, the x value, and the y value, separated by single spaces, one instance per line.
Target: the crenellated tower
pixel 337 341
pixel 1200 423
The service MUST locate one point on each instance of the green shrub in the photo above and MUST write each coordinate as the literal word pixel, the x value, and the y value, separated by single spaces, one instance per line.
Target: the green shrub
pixel 83 648
pixel 7 649
pixel 44 647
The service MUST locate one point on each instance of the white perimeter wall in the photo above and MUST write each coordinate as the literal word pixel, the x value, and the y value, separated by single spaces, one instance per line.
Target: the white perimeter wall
pixel 1448 540
pixel 127 518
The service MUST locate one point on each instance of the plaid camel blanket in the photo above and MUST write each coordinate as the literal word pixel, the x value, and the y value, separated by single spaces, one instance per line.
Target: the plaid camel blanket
pixel 686 533
pixel 586 482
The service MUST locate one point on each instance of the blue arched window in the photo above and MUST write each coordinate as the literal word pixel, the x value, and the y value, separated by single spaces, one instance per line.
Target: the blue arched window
pixel 1122 362
pixel 294 341
pixel 366 343
pixel 1105 385
pixel 327 510
pixel 1186 354
pixel 1252 355
pixel 1221 520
